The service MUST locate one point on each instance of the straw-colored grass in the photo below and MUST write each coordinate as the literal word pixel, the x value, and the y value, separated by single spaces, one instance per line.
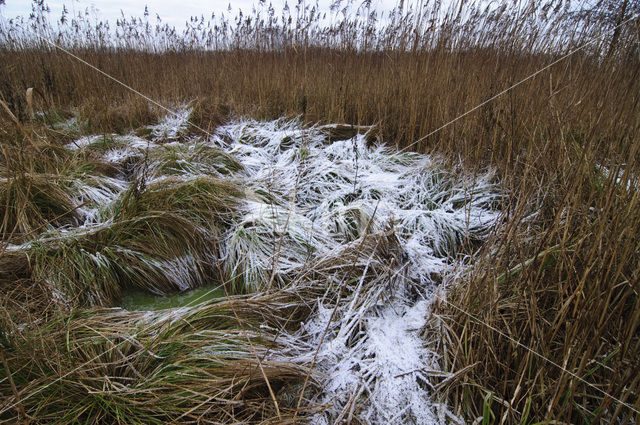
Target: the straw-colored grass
pixel 182 366
pixel 32 203
pixel 159 239
pixel 561 276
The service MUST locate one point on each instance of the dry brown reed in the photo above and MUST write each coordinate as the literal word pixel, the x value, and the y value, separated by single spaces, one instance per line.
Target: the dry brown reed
pixel 561 276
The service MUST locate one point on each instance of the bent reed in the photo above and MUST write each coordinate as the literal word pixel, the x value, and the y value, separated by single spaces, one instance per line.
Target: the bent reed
pixel 559 274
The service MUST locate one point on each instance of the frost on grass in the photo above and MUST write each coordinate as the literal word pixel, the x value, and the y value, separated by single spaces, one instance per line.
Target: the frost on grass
pixel 363 233
pixel 346 187
pixel 323 210
pixel 265 239
pixel 93 193
pixel 146 224
pixel 172 126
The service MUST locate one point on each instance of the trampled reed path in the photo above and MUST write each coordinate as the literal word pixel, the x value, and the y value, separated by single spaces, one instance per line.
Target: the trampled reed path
pixel 559 272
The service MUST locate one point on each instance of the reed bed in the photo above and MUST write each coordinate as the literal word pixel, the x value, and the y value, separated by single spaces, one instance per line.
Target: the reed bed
pixel 180 221
pixel 559 274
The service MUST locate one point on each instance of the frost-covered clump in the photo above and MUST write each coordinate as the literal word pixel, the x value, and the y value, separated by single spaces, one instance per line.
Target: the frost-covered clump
pixel 92 193
pixel 346 187
pixel 317 208
pixel 172 126
pixel 267 243
pixel 121 153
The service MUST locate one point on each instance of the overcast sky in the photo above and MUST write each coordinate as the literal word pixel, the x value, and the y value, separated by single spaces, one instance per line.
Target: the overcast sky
pixel 173 12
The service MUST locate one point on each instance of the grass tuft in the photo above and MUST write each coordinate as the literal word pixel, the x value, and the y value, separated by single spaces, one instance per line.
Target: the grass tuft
pixel 32 203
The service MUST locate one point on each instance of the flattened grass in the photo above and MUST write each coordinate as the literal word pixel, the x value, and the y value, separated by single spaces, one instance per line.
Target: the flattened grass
pixel 188 366
pixel 160 239
pixel 193 160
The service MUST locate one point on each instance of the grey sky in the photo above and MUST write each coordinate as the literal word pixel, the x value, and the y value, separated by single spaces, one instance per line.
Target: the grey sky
pixel 175 13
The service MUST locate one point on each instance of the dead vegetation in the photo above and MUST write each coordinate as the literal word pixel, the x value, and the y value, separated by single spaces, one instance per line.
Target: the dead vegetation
pixel 560 277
